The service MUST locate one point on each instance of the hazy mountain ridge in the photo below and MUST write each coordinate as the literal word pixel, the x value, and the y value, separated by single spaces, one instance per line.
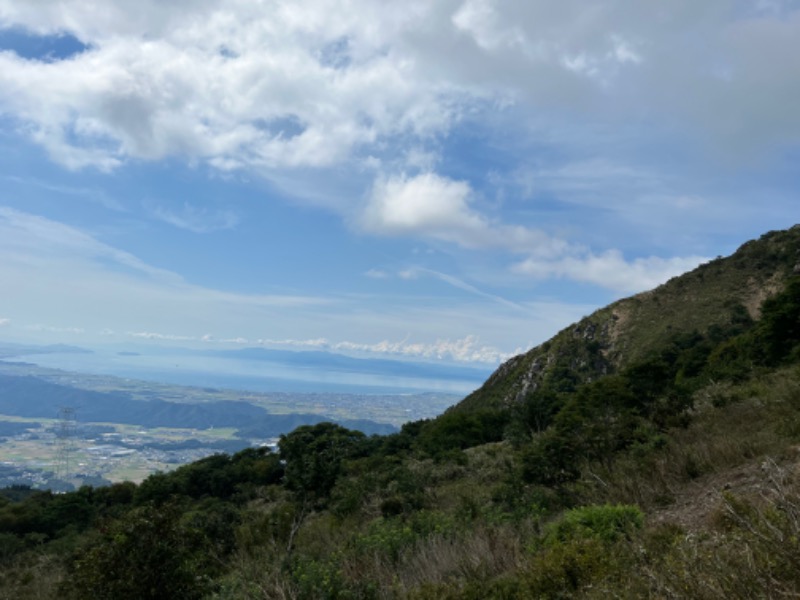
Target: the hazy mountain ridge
pixel 8 349
pixel 35 398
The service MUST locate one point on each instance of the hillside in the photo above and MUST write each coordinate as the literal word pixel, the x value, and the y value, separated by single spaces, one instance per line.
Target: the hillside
pixel 716 294
pixel 650 450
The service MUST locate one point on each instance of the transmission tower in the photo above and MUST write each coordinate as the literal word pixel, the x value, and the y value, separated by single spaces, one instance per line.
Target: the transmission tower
pixel 65 441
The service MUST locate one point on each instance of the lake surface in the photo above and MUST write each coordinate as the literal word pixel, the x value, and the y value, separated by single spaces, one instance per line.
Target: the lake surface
pixel 252 375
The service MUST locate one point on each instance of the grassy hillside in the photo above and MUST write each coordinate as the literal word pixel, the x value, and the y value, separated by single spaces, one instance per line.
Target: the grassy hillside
pixel 651 454
pixel 716 294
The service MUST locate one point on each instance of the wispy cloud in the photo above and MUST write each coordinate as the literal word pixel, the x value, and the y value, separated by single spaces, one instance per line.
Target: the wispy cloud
pixel 93 195
pixel 414 272
pixel 152 335
pixel 4 322
pixel 108 294
pixel 611 270
pixel 55 329
pixel 38 240
pixel 195 219
pixel 59 271
pixel 432 206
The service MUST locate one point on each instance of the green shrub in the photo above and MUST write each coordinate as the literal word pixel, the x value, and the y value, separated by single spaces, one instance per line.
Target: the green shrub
pixel 564 568
pixel 606 523
pixel 146 554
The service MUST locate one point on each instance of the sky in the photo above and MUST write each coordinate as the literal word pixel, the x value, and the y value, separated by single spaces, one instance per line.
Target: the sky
pixel 451 180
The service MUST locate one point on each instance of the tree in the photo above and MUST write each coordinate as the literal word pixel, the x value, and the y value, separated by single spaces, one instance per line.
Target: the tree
pixel 314 456
pixel 147 554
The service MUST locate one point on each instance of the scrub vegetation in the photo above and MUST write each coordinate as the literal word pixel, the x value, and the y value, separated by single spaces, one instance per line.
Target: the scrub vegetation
pixel 640 453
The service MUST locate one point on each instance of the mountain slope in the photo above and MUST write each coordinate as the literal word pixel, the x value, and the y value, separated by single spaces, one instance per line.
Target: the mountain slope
pixel 719 293
pixel 676 475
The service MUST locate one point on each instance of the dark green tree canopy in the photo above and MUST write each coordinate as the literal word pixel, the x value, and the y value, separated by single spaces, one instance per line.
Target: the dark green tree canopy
pixel 314 455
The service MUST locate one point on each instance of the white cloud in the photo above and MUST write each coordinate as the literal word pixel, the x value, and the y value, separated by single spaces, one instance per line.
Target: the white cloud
pixel 41 242
pixel 611 270
pixel 408 274
pixel 289 90
pixel 4 322
pixel 376 274
pixel 55 329
pixel 466 349
pixel 425 204
pixel 234 84
pixel 152 335
pixel 95 196
pixel 317 82
pixel 194 219
pixel 430 205
pixel 415 272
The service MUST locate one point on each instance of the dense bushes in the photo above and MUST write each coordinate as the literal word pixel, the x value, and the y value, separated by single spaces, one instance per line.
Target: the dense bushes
pixel 147 554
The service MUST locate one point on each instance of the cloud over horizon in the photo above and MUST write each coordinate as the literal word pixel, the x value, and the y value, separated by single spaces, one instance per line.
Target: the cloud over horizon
pixel 106 294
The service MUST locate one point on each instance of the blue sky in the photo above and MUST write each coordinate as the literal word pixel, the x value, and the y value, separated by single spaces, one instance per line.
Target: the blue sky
pixel 450 180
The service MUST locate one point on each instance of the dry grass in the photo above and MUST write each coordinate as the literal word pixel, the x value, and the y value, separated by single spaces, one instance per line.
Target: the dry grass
pixel 751 552
pixel 34 578
pixel 733 430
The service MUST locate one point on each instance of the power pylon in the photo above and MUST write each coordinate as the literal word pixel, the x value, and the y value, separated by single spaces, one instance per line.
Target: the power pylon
pixel 65 441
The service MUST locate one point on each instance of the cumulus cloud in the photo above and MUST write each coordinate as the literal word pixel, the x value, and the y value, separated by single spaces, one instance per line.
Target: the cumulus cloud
pixel 467 349
pixel 287 89
pixel 429 205
pixel 425 204
pixel 317 82
pixel 235 84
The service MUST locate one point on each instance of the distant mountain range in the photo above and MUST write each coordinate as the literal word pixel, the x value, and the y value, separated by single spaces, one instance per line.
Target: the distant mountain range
pixel 340 362
pixel 8 349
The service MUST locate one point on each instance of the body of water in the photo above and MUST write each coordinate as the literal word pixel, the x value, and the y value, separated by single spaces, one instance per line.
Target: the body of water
pixel 243 374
